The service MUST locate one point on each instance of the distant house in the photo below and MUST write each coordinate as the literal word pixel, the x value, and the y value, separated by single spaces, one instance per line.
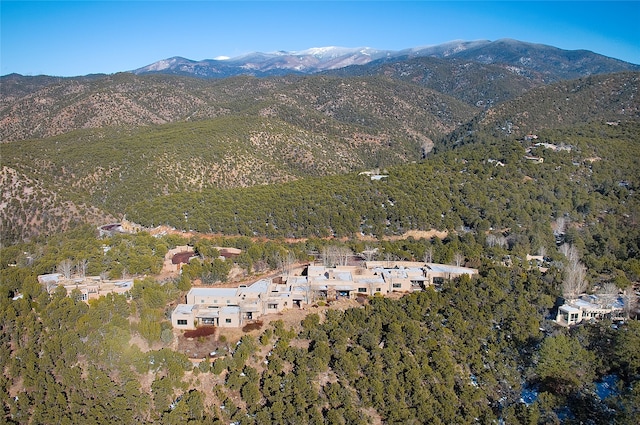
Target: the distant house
pixel 373 175
pixel 88 288
pixel 588 308
pixel 536 159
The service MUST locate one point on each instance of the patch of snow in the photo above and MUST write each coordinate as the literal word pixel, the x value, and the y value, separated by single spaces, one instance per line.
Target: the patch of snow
pixel 607 387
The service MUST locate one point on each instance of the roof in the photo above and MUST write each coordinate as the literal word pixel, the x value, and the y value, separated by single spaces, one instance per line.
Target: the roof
pixel 207 312
pixel 569 309
pixel 260 287
pixel 445 268
pixel 49 278
pixel 297 280
pixel 230 309
pixel 342 276
pixel 584 304
pixel 213 292
pixel 182 257
pixel 183 309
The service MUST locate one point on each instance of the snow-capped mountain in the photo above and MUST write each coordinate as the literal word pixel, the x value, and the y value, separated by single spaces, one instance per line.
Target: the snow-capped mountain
pixel 536 57
pixel 305 61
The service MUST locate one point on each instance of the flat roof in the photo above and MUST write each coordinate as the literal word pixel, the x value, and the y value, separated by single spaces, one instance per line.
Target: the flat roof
pixel 297 280
pixel 445 268
pixel 183 309
pixel 342 276
pixel 207 312
pixel 258 287
pixel 585 304
pixel 370 280
pixel 569 309
pixel 230 309
pixel 213 292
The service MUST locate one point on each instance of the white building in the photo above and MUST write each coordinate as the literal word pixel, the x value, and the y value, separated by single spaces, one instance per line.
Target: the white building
pixel 589 307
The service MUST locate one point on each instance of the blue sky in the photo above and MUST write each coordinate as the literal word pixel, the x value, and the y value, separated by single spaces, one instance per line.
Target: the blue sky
pixel 72 38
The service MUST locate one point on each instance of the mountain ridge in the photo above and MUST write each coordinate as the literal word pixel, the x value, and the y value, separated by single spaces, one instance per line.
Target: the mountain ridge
pixel 534 56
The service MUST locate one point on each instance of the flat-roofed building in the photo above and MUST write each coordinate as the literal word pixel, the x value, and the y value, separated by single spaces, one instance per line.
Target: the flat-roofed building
pixel 234 307
pixel 591 308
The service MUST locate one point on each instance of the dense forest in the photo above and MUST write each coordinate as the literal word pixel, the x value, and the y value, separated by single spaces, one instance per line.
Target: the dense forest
pixel 489 187
pixel 474 351
pixel 286 169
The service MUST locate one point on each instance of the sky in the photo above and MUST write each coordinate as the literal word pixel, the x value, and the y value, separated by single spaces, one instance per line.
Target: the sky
pixel 72 38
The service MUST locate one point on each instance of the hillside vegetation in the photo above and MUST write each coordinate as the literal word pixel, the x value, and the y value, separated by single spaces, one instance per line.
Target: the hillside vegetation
pixel 274 166
pixel 475 350
pixel 280 130
pixel 323 103
pixel 474 83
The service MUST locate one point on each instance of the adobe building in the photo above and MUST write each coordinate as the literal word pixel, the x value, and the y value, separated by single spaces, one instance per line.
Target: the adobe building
pixel 235 307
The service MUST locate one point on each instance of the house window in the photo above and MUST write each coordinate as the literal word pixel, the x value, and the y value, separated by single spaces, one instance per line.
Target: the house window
pixel 182 322
pixel 273 306
pixel 378 289
pixel 397 285
pixel 201 301
pixel 227 320
pixel 362 290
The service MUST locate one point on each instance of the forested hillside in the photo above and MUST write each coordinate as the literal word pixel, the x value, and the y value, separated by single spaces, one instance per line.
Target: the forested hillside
pixel 327 104
pixel 258 132
pixel 475 83
pixel 476 350
pixel 264 131
pixel 602 98
pixel 275 166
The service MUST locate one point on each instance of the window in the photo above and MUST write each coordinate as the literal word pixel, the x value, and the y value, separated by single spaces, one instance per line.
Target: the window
pixel 182 322
pixel 227 320
pixel 397 285
pixel 273 306
pixel 362 290
pixel 201 301
pixel 378 289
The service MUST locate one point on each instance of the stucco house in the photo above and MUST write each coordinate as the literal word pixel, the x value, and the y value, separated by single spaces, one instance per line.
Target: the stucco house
pixel 588 308
pixel 235 307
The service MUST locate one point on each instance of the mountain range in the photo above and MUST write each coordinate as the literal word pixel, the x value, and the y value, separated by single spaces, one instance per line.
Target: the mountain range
pixel 83 149
pixel 552 63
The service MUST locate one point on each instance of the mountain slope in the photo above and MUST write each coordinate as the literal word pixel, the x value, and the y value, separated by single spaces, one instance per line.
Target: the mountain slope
pixel 127 101
pixel 475 83
pixel 611 97
pixel 596 99
pixel 234 133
